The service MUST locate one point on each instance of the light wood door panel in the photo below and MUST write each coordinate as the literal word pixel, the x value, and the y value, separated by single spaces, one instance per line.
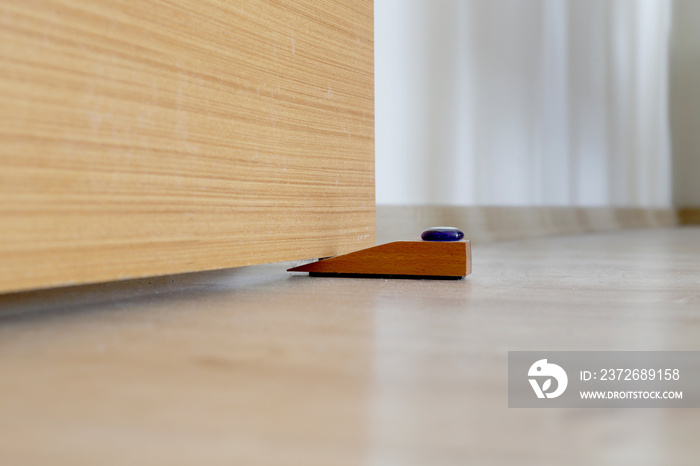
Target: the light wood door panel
pixel 157 137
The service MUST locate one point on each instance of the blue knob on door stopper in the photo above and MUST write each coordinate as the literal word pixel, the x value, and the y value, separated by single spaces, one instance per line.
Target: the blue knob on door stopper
pixel 442 234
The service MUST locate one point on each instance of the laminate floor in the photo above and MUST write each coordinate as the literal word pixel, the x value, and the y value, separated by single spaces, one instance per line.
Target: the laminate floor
pixel 254 366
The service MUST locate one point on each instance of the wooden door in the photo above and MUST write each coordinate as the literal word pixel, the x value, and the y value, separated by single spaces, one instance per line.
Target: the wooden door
pixel 156 137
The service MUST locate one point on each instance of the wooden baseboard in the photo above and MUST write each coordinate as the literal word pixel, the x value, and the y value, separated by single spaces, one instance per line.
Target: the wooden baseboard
pixel 491 224
pixel 689 215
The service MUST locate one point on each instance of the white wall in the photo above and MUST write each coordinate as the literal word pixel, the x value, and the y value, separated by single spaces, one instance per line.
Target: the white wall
pixel 685 102
pixel 522 102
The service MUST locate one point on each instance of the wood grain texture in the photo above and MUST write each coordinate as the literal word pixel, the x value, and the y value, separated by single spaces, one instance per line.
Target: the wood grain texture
pixel 157 137
pixel 403 258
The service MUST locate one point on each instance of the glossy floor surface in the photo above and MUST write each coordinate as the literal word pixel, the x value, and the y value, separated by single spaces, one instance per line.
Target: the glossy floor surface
pixel 254 366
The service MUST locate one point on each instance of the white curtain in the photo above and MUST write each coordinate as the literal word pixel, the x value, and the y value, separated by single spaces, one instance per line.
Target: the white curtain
pixel 522 102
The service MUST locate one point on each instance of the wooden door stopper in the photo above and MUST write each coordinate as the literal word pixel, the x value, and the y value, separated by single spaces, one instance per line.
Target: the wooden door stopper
pixel 400 259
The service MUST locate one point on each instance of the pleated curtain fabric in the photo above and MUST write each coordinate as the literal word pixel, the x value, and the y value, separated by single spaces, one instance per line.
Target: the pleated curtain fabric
pixel 523 102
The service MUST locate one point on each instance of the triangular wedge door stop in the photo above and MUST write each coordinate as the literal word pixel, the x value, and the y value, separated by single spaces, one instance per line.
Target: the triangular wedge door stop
pixel 400 259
